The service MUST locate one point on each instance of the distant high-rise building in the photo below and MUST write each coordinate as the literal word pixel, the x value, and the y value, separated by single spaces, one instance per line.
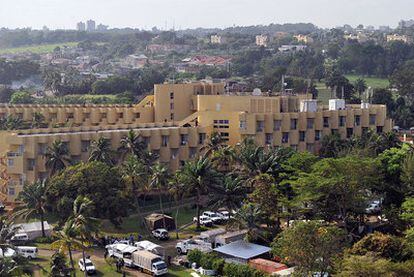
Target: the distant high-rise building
pixel 406 23
pixel 80 26
pixel 102 27
pixel 90 25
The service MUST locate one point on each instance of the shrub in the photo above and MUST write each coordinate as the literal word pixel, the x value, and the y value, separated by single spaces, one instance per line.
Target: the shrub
pixel 239 270
pixel 194 256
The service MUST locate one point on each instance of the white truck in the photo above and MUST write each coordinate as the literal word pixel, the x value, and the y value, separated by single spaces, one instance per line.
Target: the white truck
pixel 149 262
pixel 213 217
pixel 204 220
pixel 184 246
pixel 121 252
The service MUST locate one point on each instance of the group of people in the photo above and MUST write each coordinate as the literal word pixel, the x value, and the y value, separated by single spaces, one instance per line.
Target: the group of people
pixel 107 240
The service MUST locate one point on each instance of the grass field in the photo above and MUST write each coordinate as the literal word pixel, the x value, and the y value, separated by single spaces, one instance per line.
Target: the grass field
pixel 36 49
pixel 371 81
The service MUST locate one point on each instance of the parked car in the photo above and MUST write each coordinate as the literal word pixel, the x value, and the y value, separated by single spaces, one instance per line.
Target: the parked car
pixel 28 252
pixel 161 234
pixel 204 220
pixel 184 246
pixel 20 237
pixel 213 217
pixel 88 266
pixel 225 215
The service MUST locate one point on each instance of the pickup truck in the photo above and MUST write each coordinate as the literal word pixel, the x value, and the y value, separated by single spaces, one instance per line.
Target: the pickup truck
pixel 204 220
pixel 213 217
pixel 186 245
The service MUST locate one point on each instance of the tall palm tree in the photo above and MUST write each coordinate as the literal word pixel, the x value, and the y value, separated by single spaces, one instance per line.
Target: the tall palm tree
pixel 132 144
pixel 101 151
pixel 57 157
pixel 136 175
pixel 214 143
pixel 67 241
pixel 33 202
pixel 230 193
pixel 86 226
pixel 248 217
pixel 197 176
pixel 178 193
pixel 159 181
pixel 223 158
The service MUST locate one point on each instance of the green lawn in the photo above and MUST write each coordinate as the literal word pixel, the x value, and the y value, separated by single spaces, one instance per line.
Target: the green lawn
pixel 371 81
pixel 36 49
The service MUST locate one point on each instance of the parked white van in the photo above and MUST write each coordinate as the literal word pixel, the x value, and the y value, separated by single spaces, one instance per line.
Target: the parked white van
pixel 20 237
pixel 28 252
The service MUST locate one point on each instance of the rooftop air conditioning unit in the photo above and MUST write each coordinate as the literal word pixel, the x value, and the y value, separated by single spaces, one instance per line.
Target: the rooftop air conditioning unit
pixel 336 104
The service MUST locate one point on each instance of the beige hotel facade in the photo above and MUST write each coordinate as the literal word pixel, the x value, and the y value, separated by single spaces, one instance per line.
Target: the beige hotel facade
pixel 175 122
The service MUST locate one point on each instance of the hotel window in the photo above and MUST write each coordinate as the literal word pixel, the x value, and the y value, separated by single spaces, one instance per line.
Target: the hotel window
pixel 310 123
pixel 364 130
pixel 326 122
pixel 137 115
pixel 10 162
pixel 41 150
pixel 302 135
pixel 103 115
pixel 86 115
pixel 349 132
pixel 30 164
pixel 285 137
pixel 171 116
pixel 357 121
pixel 310 147
pixel 171 106
pixel 293 124
pixel 269 139
pixel 334 131
pixel 221 123
pixel 182 163
pixel 318 135
pixel 372 119
pixel 171 95
pixel 259 126
pixel 85 145
pixel 184 139
pixel 243 125
pixel 342 121
pixel 379 129
pixel 193 152
pixel 225 136
pixel 164 141
pixel 20 149
pixel 201 138
pixel 70 115
pixel 277 124
pixel 11 191
pixel 174 153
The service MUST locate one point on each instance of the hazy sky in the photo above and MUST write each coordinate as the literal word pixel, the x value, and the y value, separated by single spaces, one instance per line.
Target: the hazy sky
pixel 201 13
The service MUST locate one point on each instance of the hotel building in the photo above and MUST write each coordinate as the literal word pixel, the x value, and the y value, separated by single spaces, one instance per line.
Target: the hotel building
pixel 175 122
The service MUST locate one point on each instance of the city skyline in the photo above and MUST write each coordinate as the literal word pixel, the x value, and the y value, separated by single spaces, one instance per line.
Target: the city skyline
pixel 144 14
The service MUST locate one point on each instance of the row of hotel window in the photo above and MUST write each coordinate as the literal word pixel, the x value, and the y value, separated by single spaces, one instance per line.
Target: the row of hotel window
pixel 310 122
pixel 68 116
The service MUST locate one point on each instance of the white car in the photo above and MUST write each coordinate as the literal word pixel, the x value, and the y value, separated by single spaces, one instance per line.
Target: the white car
pixel 20 237
pixel 90 267
pixel 8 253
pixel 204 220
pixel 28 252
pixel 160 234
pixel 225 215
pixel 213 217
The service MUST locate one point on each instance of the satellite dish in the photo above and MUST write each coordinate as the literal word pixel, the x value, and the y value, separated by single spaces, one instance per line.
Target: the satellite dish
pixel 257 92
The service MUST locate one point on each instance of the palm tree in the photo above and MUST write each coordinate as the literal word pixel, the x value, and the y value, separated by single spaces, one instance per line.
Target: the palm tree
pixel 101 151
pixel 33 202
pixel 132 144
pixel 135 175
pixel 7 231
pixel 248 217
pixel 57 157
pixel 213 144
pixel 197 176
pixel 159 180
pixel 86 227
pixel 360 86
pixel 67 241
pixel 230 194
pixel 223 158
pixel 38 120
pixel 177 191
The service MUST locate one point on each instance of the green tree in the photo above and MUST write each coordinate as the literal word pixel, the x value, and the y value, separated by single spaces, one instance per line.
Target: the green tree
pixel 101 151
pixel 132 144
pixel 159 181
pixel 249 217
pixel 230 193
pixel 57 157
pixel 95 180
pixel 21 97
pixel 360 86
pixel 310 246
pixel 33 202
pixel 197 176
pixel 58 267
